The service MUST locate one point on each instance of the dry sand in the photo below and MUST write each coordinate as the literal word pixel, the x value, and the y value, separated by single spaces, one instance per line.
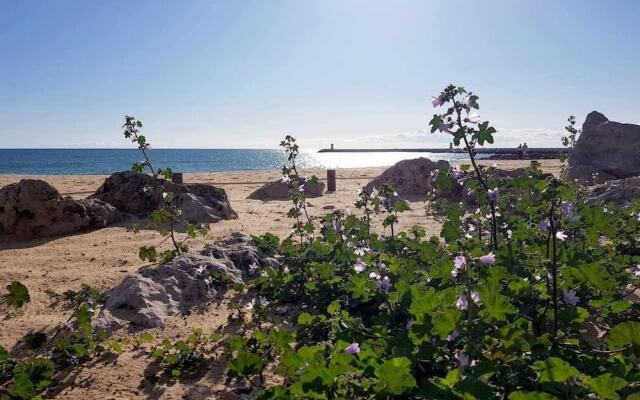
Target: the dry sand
pixel 104 257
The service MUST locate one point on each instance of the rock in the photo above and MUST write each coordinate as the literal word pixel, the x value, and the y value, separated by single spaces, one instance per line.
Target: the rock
pixel 147 298
pixel 279 190
pixel 214 200
pixel 33 208
pixel 620 192
pixel 409 177
pixel 200 203
pixel 606 148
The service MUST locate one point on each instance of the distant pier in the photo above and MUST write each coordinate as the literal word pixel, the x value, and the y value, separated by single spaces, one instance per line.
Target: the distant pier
pixel 494 152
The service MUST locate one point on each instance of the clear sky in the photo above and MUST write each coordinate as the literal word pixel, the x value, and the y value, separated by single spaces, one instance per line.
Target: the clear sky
pixel 207 74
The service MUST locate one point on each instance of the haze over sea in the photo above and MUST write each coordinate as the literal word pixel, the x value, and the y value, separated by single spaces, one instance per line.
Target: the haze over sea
pixel 107 161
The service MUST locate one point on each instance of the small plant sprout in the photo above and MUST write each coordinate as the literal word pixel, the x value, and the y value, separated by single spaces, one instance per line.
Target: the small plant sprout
pixel 168 212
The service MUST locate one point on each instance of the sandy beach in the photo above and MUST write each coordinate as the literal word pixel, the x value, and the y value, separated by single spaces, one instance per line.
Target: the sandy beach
pixel 104 257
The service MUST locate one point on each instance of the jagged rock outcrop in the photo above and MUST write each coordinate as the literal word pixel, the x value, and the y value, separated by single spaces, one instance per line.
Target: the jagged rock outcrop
pixel 147 298
pixel 411 177
pixel 33 208
pixel 200 203
pixel 279 190
pixel 605 150
pixel 620 192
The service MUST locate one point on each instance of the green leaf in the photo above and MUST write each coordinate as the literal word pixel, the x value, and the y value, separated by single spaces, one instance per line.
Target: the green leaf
pixel 395 376
pixel 624 334
pixel 606 385
pixel 495 306
pixel 18 294
pixel 445 322
pixel 554 369
pixel 245 365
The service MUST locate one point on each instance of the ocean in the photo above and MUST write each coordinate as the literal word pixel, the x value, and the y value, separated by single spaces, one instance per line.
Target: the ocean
pixel 107 161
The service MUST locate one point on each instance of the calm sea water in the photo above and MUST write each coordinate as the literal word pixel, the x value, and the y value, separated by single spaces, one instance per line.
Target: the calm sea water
pixel 106 161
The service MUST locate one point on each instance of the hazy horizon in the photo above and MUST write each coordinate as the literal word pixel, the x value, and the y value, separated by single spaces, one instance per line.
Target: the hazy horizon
pixel 357 74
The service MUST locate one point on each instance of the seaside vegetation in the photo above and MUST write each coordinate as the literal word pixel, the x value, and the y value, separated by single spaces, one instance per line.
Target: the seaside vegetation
pixel 527 294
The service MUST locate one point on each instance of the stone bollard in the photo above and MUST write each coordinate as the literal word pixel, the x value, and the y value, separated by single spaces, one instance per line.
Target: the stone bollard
pixel 177 178
pixel 331 180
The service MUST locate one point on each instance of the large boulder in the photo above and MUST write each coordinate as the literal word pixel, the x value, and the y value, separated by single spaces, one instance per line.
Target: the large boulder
pixel 620 192
pixel 279 190
pixel 33 208
pixel 606 150
pixel 129 192
pixel 410 177
pixel 148 297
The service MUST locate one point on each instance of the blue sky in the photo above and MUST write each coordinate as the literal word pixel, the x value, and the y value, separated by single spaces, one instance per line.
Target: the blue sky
pixel 206 74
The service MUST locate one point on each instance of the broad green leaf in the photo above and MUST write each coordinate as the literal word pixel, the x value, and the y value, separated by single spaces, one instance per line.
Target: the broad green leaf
pixel 606 385
pixel 394 376
pixel 624 334
pixel 555 369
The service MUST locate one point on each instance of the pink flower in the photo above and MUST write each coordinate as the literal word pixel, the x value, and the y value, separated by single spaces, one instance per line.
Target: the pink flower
pixel 472 118
pixel 462 303
pixel 353 348
pixel 462 358
pixel 453 336
pixel 570 297
pixel 458 265
pixel 560 235
pixel 475 296
pixel 384 284
pixel 544 224
pixel 436 101
pixel 360 266
pixel 488 259
pixel 445 128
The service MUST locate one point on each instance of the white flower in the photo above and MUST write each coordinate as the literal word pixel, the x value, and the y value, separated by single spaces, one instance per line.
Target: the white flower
pixel 636 273
pixel 285 269
pixel 361 251
pixel 249 306
pixel 560 235
pixel 493 194
pixel 253 268
pixel 509 234
pixel 570 297
pixel 374 275
pixel 436 101
pixel 301 188
pixel 347 211
pixel 286 179
pixel 453 336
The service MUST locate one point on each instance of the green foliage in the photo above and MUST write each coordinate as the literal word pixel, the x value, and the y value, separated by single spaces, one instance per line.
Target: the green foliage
pixel 497 307
pixel 184 357
pixel 17 295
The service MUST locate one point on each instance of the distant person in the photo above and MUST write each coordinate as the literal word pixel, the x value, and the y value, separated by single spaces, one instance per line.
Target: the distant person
pixel 519 152
pixel 525 150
